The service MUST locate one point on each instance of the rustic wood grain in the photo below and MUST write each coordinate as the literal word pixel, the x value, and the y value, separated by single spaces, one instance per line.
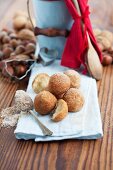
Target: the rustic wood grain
pixel 61 155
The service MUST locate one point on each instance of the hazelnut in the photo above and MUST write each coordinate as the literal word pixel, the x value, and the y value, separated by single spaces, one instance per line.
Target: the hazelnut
pixel 13 35
pixel 2 34
pixel 19 49
pixel 6 46
pixel 107 60
pixel 26 34
pixel 30 47
pixel 104 41
pixel 10 32
pixel 107 34
pixel 7 51
pixel 19 42
pixel 32 41
pixel 20 70
pixel 14 43
pixel 6 39
pixel 19 22
pixel 25 42
pixel 12 54
pixel 97 31
pixel 22 57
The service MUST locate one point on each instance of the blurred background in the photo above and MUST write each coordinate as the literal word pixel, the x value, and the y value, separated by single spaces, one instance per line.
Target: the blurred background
pixel 102 13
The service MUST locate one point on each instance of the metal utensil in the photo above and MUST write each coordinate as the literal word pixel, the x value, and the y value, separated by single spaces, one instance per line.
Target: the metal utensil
pixel 44 129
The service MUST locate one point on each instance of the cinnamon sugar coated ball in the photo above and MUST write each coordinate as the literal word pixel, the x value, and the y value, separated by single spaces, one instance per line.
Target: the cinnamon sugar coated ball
pixel 59 83
pixel 44 102
pixel 74 78
pixel 74 99
pixel 40 82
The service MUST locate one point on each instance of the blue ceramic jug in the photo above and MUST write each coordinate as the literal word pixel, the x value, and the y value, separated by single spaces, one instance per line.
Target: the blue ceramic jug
pixel 54 14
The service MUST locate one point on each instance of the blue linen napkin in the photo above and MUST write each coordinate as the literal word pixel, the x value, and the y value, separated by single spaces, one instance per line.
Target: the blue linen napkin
pixel 85 124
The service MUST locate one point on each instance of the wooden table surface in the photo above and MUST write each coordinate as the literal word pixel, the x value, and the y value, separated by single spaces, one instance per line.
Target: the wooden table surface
pixel 61 155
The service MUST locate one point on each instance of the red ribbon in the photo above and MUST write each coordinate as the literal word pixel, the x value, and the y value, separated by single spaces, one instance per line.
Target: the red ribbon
pixel 86 13
pixel 77 42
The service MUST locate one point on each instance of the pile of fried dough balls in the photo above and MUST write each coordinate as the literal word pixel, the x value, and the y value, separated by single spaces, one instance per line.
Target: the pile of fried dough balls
pixel 58 94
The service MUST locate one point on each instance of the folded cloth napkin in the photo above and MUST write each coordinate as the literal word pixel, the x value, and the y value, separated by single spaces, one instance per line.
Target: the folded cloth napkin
pixel 85 124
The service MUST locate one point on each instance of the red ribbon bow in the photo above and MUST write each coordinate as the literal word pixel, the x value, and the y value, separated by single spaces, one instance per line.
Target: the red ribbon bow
pixel 77 42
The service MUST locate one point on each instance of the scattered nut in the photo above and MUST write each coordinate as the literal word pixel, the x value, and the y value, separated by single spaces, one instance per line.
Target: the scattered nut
pixel 97 31
pixel 14 43
pixel 19 49
pixel 25 42
pixel 19 22
pixel 7 51
pixel 105 42
pixel 30 46
pixel 107 60
pixel 107 34
pixel 2 34
pixel 20 70
pixel 5 46
pixel 6 39
pixel 12 54
pixel 22 57
pixel 26 34
pixel 13 35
